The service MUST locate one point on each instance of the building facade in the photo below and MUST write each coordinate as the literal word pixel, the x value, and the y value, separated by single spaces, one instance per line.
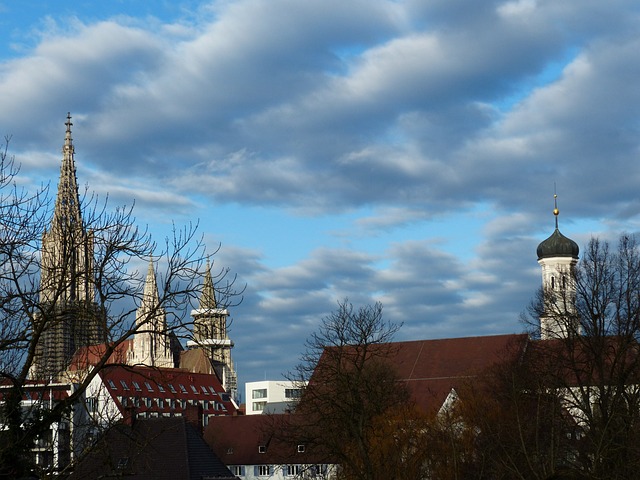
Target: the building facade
pixel 273 396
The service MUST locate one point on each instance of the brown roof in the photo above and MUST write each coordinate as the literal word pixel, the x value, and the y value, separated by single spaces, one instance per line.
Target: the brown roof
pixel 431 368
pixel 248 440
pixel 156 448
pixel 196 360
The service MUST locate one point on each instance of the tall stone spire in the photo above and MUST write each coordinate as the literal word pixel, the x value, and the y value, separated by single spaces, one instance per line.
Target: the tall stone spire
pixel 151 342
pixel 67 208
pixel 210 334
pixel 69 317
pixel 558 256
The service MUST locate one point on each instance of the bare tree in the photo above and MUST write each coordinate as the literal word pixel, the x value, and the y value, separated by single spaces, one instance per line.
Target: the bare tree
pixel 567 406
pixel 354 401
pixel 91 286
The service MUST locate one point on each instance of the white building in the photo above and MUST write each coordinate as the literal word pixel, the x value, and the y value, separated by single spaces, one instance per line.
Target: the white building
pixel 275 396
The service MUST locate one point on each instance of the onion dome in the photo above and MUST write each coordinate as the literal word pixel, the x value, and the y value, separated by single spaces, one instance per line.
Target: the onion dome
pixel 557 245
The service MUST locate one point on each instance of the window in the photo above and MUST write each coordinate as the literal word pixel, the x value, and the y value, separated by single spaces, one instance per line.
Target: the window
pixel 237 470
pixel 123 463
pixel 212 390
pixel 292 392
pixel 300 448
pixel 204 390
pixel 161 388
pixel 262 470
pixel 258 406
pixel 112 385
pixel 182 389
pixel 136 385
pixel 173 390
pixel 259 393
pixel 160 403
pixel 92 404
pixel 148 402
pixel 148 385
pixel 195 390
pixel 293 470
pixel 262 449
pixel 124 384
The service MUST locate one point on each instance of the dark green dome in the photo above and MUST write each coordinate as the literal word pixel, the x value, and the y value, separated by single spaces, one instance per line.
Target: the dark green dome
pixel 557 245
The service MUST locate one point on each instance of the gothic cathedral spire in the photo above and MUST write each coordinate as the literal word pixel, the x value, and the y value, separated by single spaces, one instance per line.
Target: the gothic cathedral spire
pixel 151 342
pixel 210 334
pixel 69 317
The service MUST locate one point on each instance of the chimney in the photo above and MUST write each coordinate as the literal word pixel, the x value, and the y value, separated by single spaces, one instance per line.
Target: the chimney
pixel 193 414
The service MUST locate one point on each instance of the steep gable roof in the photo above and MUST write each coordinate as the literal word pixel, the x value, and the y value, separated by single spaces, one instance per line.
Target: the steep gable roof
pixel 432 368
pixel 157 448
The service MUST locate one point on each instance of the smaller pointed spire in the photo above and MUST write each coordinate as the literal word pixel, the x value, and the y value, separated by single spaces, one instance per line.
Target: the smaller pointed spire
pixel 150 295
pixel 208 297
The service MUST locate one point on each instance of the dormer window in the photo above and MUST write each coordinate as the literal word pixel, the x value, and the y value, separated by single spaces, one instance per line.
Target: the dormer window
pixel 300 448
pixel 262 449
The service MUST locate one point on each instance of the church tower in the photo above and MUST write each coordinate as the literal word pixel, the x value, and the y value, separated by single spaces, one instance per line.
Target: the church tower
pixel 210 334
pixel 69 317
pixel 151 342
pixel 558 256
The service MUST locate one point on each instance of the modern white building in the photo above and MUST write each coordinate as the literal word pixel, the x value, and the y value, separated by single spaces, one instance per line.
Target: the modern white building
pixel 274 396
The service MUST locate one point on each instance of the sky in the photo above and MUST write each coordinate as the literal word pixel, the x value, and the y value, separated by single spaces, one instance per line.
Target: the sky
pixel 398 151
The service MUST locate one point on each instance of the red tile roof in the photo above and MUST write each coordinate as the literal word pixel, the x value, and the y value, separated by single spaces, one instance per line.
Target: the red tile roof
pixel 432 368
pixel 91 355
pixel 37 391
pixel 165 390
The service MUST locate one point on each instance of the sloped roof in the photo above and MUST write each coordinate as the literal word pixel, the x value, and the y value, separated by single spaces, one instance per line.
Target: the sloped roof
pixel 91 355
pixel 247 440
pixel 432 368
pixel 155 448
pixel 163 384
pixel 196 360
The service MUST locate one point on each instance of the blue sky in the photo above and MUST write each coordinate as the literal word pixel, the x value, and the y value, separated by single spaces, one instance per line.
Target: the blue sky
pixel 400 151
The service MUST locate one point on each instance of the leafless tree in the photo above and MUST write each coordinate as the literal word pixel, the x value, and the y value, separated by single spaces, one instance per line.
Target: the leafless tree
pixel 353 408
pixel 568 406
pixel 29 308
